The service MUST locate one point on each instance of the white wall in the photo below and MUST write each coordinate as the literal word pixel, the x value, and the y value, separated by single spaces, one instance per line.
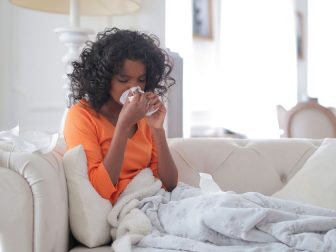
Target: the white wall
pixel 5 62
pixel 151 19
pixel 31 66
pixel 301 8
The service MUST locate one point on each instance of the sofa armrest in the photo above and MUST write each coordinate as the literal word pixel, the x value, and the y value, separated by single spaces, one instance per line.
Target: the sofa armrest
pixel 34 192
pixel 16 212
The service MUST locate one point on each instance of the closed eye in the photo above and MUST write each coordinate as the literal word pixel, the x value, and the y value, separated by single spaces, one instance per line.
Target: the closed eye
pixel 124 78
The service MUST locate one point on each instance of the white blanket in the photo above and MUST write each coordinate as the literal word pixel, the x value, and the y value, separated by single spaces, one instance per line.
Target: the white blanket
pixel 146 216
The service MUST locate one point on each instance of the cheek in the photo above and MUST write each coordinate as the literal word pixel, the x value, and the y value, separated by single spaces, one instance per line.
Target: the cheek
pixel 116 91
pixel 143 86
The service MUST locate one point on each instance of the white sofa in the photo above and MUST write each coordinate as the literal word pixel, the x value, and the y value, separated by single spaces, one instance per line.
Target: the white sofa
pixel 33 191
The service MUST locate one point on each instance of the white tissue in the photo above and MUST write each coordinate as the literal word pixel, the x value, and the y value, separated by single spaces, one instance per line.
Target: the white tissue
pixel 124 95
pixel 207 183
pixel 29 141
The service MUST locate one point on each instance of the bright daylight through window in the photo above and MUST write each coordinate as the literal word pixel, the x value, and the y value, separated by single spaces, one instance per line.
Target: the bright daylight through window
pixel 235 78
pixel 322 51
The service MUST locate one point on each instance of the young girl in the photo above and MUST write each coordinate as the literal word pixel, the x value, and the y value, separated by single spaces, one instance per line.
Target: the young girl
pixel 120 140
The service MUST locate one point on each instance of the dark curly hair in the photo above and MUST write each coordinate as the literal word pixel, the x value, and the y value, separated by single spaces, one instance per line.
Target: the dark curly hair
pixel 102 59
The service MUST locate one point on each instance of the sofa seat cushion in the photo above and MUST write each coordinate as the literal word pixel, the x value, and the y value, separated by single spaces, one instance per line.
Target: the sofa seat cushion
pixel 315 183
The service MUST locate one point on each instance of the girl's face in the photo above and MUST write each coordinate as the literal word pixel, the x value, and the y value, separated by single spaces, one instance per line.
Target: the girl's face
pixel 132 74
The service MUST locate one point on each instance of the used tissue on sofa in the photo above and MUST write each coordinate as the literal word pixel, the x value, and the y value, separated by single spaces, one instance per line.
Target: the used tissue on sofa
pixel 29 141
pixel 207 183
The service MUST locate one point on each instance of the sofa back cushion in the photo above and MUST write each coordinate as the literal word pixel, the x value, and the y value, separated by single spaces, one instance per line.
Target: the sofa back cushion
pixel 241 165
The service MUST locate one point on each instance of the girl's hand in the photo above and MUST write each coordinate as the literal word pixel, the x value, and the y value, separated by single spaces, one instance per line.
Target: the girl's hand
pixel 133 110
pixel 155 121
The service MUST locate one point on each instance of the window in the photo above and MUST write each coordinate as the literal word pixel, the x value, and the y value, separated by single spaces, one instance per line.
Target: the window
pixel 322 51
pixel 235 80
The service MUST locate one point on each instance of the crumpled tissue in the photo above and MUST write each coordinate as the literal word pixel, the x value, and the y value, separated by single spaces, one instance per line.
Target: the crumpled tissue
pixel 208 184
pixel 30 141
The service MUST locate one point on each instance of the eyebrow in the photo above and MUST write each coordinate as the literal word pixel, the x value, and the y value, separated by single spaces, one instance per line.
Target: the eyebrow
pixel 127 76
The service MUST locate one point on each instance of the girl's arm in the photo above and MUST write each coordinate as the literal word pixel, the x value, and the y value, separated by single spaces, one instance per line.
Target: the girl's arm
pixel 166 165
pixel 115 156
pixel 131 112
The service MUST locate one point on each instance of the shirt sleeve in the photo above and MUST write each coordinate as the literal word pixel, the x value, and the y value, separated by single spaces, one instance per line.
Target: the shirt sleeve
pixel 80 129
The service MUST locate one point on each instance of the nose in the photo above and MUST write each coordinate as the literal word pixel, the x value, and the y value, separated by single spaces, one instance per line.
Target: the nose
pixel 136 84
pixel 132 89
pixel 132 84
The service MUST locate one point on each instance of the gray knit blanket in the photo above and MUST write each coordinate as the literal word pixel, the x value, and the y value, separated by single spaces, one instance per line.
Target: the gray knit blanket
pixel 147 218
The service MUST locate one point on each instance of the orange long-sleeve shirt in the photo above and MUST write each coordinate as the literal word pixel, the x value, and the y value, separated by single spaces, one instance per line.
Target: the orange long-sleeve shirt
pixel 84 126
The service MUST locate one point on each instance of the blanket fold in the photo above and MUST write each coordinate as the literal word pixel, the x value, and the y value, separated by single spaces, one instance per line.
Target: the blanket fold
pixel 126 220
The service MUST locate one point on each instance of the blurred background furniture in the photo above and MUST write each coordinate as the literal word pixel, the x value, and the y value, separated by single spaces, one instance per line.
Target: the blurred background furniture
pixel 307 120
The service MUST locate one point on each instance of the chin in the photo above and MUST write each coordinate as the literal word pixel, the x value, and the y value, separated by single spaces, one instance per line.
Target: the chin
pixel 115 100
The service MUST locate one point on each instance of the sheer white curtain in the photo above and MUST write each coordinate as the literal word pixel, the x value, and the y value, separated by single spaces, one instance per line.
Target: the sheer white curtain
pixel 249 67
pixel 258 65
pixel 322 51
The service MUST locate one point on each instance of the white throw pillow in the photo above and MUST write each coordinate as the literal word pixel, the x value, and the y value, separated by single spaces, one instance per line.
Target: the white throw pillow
pixel 315 183
pixel 88 210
